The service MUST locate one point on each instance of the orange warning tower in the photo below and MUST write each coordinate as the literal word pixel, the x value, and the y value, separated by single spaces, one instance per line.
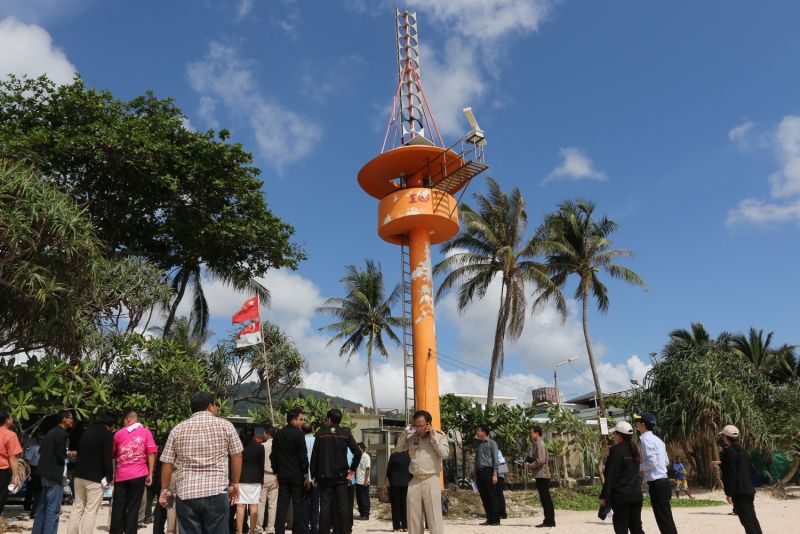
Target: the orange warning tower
pixel 415 178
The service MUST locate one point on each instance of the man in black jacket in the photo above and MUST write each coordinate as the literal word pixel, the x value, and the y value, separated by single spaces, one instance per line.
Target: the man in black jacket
pixel 94 465
pixel 330 470
pixel 289 460
pixel 52 461
pixel 739 489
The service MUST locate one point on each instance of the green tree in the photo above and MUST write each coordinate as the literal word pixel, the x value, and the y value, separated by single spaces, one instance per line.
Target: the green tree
pixel 492 243
pixel 363 316
pixel 696 393
pixel 189 202
pixel 579 245
pixel 58 289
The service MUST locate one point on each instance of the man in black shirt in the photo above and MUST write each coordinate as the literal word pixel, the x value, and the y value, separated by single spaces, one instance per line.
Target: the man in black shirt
pixel 289 461
pixel 52 460
pixel 330 470
pixel 94 465
pixel 735 470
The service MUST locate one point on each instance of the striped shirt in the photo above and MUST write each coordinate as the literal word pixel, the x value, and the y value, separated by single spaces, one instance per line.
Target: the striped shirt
pixel 200 448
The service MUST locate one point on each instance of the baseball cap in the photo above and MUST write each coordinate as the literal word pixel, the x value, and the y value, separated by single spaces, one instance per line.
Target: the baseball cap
pixel 730 431
pixel 646 418
pixel 623 427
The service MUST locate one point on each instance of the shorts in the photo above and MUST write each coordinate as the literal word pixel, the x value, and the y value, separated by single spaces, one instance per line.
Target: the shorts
pixel 249 494
pixel 681 485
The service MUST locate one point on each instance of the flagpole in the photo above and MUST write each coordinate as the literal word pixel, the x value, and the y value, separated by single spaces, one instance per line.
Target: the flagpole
pixel 266 364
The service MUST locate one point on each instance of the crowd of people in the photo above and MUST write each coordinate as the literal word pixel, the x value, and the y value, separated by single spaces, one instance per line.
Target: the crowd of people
pixel 211 479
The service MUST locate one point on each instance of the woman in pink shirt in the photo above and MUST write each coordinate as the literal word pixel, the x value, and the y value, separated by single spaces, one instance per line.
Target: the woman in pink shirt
pixel 134 459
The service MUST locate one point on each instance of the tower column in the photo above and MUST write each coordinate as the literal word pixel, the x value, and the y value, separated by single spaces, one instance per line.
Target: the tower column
pixel 426 373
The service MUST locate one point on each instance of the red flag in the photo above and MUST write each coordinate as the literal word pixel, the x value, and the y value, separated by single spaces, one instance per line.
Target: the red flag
pixel 249 310
pixel 250 335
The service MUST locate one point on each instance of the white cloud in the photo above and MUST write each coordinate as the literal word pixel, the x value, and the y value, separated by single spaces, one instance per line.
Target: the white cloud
pixel 575 165
pixel 282 135
pixel 544 342
pixel 740 134
pixel 243 8
pixel 323 81
pixel 28 50
pixel 613 377
pixel 486 20
pixel 755 211
pixel 786 182
pixel 461 70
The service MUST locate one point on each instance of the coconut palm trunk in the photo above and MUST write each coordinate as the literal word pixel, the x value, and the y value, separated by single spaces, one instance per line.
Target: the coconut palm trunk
pixel 369 372
pixel 589 351
pixel 499 338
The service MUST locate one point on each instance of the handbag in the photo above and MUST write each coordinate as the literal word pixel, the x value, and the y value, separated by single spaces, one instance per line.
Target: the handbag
pixel 445 505
pixel 383 495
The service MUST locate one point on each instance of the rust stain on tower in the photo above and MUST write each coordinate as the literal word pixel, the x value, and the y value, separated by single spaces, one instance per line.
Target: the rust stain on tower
pixel 415 177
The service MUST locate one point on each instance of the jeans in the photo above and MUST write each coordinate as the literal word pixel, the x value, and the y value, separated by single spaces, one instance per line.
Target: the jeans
pixel 543 487
pixel 660 493
pixel 125 506
pixel 48 509
pixel 204 515
pixel 362 499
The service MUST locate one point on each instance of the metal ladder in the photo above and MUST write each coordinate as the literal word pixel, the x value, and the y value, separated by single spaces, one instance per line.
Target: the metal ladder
pixel 408 339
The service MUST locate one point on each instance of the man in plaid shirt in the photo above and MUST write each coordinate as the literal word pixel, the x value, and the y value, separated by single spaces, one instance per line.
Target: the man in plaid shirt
pixel 200 449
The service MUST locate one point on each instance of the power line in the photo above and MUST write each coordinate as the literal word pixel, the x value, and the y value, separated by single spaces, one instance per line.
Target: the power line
pixel 483 373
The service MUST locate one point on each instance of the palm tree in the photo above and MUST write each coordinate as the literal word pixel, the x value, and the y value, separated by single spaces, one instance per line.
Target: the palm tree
pixel 697 340
pixel 578 244
pixel 777 362
pixel 363 315
pixel 492 243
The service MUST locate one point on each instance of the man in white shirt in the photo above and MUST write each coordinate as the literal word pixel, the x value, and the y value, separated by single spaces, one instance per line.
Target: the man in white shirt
pixel 362 484
pixel 654 470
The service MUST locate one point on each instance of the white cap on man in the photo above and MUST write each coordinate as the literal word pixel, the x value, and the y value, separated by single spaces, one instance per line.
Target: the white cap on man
pixel 730 431
pixel 624 428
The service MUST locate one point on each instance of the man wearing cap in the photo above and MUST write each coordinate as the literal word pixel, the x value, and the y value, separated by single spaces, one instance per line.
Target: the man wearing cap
pixel 735 470
pixel 654 470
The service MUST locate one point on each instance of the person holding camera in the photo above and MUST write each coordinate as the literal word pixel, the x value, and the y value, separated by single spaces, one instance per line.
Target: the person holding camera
pixel 623 485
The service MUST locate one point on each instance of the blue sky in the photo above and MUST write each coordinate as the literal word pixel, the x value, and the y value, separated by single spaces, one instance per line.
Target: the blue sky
pixel 680 120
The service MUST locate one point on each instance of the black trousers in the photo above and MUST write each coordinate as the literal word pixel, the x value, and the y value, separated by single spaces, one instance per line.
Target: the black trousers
pixel 311 510
pixel 488 494
pixel 362 499
pixel 333 511
pixel 743 504
pixel 543 487
pixel 397 497
pixel 5 480
pixel 33 491
pixel 660 493
pixel 501 496
pixel 627 517
pixel 290 489
pixel 125 506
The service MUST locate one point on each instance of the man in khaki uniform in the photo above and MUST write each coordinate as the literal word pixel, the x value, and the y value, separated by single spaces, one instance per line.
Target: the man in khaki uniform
pixel 269 490
pixel 427 448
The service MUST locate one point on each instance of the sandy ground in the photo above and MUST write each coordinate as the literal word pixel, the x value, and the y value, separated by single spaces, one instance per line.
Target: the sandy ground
pixel 776 516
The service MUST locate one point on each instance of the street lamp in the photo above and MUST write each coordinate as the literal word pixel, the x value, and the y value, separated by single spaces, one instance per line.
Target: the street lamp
pixel 555 378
